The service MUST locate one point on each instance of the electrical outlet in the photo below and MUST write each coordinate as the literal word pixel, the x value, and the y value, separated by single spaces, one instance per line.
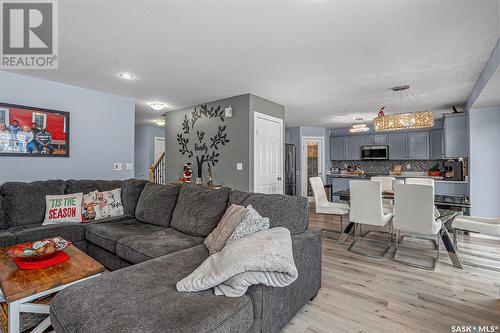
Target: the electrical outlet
pixel 408 166
pixel 228 112
pixel 117 166
pixel 239 166
pixel 129 166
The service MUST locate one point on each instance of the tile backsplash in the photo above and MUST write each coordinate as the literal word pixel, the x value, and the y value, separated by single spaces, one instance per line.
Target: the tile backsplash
pixel 388 165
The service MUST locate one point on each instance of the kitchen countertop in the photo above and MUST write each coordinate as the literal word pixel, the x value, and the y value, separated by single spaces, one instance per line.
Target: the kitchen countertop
pixel 403 175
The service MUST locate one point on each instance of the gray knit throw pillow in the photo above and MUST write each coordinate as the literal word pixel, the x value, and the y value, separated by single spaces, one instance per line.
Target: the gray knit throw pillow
pixel 250 223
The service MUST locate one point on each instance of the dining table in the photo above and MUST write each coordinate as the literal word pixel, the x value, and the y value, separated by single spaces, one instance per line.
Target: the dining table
pixel 449 206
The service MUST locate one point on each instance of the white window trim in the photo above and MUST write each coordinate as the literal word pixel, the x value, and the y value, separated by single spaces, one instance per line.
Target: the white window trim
pixel 7 120
pixel 44 119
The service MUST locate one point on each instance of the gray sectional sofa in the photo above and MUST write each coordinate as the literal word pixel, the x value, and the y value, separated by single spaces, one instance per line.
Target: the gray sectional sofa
pixel 156 243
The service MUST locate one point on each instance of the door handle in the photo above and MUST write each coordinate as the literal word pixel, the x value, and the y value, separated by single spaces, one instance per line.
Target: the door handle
pixel 279 178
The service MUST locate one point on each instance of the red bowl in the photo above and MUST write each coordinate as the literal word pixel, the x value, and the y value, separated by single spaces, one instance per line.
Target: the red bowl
pixel 20 247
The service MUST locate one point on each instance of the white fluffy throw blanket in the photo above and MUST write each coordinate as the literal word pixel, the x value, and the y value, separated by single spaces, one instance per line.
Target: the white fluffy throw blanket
pixel 265 257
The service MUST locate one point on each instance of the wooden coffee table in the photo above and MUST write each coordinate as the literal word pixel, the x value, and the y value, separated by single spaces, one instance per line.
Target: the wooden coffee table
pixel 20 287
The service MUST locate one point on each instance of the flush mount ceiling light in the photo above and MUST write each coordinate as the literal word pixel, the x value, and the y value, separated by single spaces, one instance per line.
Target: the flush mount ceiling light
pixel 358 127
pixel 157 106
pixel 404 120
pixel 126 76
pixel 160 122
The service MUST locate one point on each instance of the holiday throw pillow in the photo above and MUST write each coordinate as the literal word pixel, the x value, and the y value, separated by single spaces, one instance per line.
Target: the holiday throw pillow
pixel 63 208
pixel 250 223
pixel 90 207
pixel 110 203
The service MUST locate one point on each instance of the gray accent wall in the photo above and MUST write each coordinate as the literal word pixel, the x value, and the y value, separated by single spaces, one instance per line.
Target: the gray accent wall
pixel 237 150
pixel 101 131
pixel 239 131
pixel 145 149
pixel 485 161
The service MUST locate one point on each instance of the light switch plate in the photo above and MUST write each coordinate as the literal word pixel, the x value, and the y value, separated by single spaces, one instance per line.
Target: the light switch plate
pixel 117 166
pixel 239 166
pixel 129 166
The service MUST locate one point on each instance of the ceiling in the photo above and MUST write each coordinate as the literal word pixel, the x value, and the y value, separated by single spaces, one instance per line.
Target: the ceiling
pixel 326 61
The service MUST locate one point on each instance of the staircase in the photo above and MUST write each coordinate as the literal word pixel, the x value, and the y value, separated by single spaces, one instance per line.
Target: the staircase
pixel 157 171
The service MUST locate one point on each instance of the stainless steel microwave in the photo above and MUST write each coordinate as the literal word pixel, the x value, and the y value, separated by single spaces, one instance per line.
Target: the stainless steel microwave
pixel 375 152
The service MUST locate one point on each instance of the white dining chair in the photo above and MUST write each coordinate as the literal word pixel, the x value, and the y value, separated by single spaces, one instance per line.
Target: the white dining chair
pixel 482 225
pixel 414 215
pixel 386 186
pixel 367 209
pixel 323 206
pixel 420 181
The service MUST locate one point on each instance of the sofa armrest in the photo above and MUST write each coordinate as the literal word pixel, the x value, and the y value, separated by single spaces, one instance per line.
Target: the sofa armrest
pixel 274 307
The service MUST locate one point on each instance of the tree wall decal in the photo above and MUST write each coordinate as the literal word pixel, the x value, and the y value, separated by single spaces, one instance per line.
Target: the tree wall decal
pixel 205 152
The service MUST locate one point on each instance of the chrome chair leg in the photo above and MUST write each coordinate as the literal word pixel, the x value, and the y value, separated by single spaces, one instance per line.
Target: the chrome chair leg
pixel 413 264
pixel 367 254
pixel 481 256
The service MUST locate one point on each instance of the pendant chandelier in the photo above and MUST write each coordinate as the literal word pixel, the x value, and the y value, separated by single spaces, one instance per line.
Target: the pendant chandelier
pixel 407 120
pixel 358 126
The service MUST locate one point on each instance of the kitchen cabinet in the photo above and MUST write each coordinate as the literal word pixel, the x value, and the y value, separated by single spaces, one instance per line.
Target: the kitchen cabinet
pixel 456 135
pixel 380 139
pixel 397 146
pixel 368 140
pixel 337 148
pixel 417 145
pixel 436 144
pixel 353 148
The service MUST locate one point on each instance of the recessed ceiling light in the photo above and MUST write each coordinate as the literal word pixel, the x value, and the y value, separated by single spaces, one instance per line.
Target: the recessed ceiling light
pixel 157 105
pixel 126 76
pixel 160 122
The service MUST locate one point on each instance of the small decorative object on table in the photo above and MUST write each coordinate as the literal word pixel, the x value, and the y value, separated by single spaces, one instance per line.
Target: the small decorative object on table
pixel 434 171
pixel 210 182
pixel 40 254
pixel 187 173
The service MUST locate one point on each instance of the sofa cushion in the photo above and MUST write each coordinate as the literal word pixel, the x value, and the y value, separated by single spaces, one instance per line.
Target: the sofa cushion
pixel 106 234
pixel 80 185
pixel 108 185
pixel 7 238
pixel 3 221
pixel 199 209
pixel 139 248
pixel 131 191
pixel 143 298
pixel 73 232
pixel 156 204
pixel 24 203
pixel 283 210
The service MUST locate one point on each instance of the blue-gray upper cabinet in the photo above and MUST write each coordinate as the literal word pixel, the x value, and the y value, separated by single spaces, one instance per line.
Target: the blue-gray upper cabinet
pixel 397 146
pixel 380 139
pixel 436 144
pixel 456 136
pixel 353 147
pixel 418 145
pixel 367 140
pixel 337 148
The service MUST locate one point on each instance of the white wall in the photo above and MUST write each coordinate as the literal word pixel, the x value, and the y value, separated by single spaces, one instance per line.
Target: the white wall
pixel 101 131
pixel 484 161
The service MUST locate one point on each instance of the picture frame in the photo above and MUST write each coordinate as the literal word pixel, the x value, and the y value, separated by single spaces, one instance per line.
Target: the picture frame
pixel 27 131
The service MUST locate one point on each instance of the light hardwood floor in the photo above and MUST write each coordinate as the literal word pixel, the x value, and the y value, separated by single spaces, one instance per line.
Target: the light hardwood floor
pixel 360 294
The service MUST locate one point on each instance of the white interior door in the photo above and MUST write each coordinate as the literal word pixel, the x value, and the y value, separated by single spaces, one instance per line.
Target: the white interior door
pixel 313 161
pixel 159 147
pixel 268 154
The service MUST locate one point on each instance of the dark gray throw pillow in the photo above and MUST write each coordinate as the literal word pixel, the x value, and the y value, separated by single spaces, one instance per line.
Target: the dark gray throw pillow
pixel 24 203
pixel 156 204
pixel 283 210
pixel 199 209
pixel 131 191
